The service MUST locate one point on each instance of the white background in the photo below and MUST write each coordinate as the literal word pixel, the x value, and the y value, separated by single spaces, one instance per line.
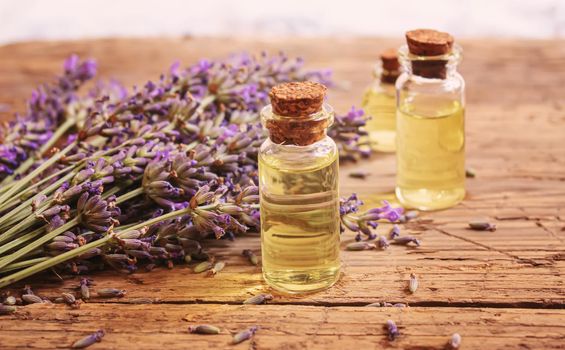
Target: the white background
pixel 64 19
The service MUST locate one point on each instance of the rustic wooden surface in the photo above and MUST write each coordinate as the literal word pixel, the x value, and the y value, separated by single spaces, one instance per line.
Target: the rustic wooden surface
pixel 499 290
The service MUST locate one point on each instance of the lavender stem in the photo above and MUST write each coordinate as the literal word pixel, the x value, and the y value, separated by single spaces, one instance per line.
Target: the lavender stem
pixel 22 239
pixel 21 264
pixel 26 204
pixel 82 249
pixel 129 195
pixel 37 243
pixel 21 183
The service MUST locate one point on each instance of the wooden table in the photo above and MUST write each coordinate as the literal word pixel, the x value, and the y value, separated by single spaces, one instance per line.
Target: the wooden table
pixel 499 290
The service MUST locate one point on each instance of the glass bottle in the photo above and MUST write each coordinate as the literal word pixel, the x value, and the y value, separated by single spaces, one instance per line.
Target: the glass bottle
pixel 298 184
pixel 430 122
pixel 379 102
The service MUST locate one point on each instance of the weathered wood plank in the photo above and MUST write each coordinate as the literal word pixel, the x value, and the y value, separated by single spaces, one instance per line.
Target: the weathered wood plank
pixel 519 174
pixel 282 327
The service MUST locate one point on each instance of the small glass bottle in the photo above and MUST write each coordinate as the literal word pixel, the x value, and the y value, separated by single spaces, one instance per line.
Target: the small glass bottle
pixel 379 102
pixel 298 184
pixel 430 122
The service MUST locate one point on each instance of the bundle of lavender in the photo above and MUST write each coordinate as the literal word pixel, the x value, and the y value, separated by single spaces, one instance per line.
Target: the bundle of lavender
pixel 112 178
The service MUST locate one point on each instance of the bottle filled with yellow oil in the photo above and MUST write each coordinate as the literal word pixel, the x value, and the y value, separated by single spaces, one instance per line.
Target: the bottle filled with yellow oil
pixel 430 122
pixel 379 102
pixel 298 184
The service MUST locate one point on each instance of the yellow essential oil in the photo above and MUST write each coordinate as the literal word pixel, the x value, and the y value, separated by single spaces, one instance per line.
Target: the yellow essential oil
pixel 431 156
pixel 379 102
pixel 298 185
pixel 300 223
pixel 430 124
pixel 381 106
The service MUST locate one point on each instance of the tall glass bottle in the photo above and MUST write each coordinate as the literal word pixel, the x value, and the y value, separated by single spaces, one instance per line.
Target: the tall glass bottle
pixel 298 184
pixel 379 102
pixel 430 122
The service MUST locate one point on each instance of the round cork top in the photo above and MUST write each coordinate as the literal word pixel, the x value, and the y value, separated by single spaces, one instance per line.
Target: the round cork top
pixel 389 59
pixel 297 99
pixel 428 42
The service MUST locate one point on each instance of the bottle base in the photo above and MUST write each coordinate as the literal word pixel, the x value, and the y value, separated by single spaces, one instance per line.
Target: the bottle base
pixel 426 199
pixel 299 282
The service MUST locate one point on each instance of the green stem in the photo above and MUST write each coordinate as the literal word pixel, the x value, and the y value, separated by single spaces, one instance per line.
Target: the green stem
pixel 80 250
pixel 21 264
pixel 18 241
pixel 21 183
pixel 129 195
pixel 50 262
pixel 14 230
pixel 5 261
pixel 26 204
pixel 39 183
pixel 61 130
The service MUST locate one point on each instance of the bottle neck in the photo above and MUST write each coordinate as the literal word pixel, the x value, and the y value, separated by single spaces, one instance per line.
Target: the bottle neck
pixel 430 67
pixel 298 131
pixel 385 76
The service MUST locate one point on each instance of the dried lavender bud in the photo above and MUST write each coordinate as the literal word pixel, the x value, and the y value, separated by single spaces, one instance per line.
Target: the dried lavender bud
pixel 392 329
pixel 84 290
pixel 204 329
pixel 69 299
pixel 412 214
pixel 470 173
pixel 377 304
pixel 253 259
pixel 89 340
pixel 244 335
pixel 359 175
pixel 454 343
pixel 482 226
pixel 399 305
pixel 259 299
pixel 394 232
pixel 406 240
pixel 10 300
pixel 357 246
pixel 413 284
pixel 31 299
pixel 203 266
pixel 7 309
pixel 27 290
pixel 219 266
pixel 382 242
pixel 385 304
pixel 111 293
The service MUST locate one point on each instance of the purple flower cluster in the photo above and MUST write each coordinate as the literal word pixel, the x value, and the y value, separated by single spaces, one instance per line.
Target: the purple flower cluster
pixel 47 108
pixel 348 131
pixel 175 159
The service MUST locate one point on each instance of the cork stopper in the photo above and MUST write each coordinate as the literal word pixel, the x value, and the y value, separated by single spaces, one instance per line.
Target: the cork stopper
pixel 293 105
pixel 429 42
pixel 389 58
pixel 390 66
pixel 297 99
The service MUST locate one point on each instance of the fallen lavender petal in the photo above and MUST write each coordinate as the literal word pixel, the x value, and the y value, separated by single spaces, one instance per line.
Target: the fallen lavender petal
pixel 89 340
pixel 244 335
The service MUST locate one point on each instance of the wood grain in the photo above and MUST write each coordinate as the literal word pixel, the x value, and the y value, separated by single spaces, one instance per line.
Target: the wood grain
pixel 282 327
pixel 470 282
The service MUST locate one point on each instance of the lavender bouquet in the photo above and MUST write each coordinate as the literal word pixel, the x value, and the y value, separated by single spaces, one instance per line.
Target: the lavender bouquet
pixel 116 178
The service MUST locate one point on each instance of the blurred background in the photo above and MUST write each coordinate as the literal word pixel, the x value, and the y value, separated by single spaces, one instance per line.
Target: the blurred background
pixel 69 19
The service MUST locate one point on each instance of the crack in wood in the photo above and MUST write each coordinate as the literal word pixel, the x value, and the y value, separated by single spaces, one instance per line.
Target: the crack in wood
pixel 516 258
pixel 542 304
